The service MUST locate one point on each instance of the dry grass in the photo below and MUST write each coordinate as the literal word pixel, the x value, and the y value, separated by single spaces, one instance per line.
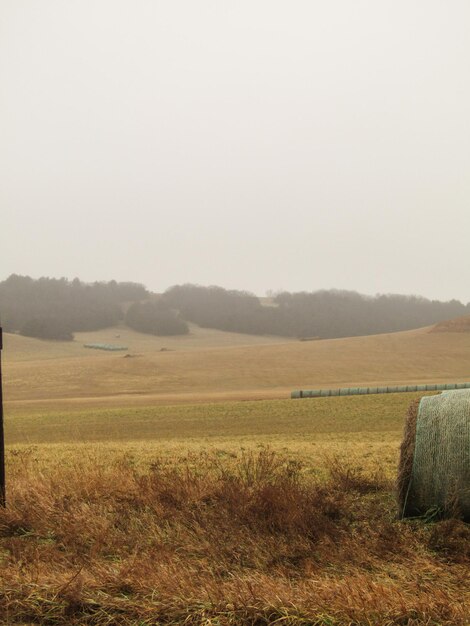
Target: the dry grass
pixel 405 464
pixel 229 372
pixel 30 349
pixel 457 325
pixel 219 539
pixel 221 513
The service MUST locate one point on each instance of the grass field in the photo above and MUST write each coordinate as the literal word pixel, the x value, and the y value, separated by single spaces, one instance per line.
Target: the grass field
pixel 365 428
pixel 226 513
pixel 239 367
pixel 156 490
pixel 30 349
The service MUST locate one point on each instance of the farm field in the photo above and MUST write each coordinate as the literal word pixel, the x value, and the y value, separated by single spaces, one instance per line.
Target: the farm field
pixel 30 349
pixel 367 428
pixel 210 366
pixel 144 506
pixel 221 513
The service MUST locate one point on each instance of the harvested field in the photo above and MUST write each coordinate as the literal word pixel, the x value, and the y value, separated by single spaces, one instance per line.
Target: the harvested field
pixel 44 373
pixel 156 490
pixel 272 419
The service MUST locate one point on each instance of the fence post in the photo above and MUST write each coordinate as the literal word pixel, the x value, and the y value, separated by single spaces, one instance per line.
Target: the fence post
pixel 2 438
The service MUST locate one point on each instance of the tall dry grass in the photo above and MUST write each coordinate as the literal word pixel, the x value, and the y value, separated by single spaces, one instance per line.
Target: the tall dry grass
pixel 220 539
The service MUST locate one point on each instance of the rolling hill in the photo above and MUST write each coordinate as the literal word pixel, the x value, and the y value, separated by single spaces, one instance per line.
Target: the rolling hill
pixel 213 365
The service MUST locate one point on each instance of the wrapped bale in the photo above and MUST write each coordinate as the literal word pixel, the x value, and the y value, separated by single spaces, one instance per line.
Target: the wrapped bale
pixel 434 468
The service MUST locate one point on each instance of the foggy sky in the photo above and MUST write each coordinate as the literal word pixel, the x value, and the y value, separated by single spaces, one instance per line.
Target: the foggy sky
pixel 255 144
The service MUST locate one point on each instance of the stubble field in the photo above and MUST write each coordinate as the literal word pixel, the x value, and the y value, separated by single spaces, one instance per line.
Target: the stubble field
pixel 164 506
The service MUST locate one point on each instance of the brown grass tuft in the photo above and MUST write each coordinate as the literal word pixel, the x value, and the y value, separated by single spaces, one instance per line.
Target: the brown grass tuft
pixel 451 539
pixel 405 464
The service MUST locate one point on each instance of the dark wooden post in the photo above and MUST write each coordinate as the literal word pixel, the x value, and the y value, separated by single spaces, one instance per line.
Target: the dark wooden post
pixel 2 438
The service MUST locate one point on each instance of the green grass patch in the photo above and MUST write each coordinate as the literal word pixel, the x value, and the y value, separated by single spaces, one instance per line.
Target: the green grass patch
pixel 274 418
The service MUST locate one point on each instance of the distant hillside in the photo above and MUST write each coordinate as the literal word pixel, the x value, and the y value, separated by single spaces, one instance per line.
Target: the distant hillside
pixel 457 325
pixel 19 348
pixel 212 365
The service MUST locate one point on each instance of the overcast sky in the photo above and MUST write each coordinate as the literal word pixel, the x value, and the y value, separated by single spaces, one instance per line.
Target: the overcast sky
pixel 254 144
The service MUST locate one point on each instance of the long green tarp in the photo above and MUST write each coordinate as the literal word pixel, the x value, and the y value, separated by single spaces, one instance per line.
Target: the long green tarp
pixel 354 391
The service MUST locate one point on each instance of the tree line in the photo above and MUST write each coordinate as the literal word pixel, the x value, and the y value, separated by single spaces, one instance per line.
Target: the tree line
pixel 52 308
pixel 323 314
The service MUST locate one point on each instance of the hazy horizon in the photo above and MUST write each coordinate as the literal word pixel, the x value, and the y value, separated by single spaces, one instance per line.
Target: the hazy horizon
pixel 255 145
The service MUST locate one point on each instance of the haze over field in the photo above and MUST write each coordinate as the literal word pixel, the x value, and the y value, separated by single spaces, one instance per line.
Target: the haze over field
pixel 256 145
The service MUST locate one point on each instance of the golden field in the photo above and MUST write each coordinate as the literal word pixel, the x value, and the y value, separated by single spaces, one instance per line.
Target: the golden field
pixel 184 487
pixel 211 365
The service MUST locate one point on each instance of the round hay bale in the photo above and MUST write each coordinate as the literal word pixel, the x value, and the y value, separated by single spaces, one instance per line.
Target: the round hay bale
pixel 434 468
